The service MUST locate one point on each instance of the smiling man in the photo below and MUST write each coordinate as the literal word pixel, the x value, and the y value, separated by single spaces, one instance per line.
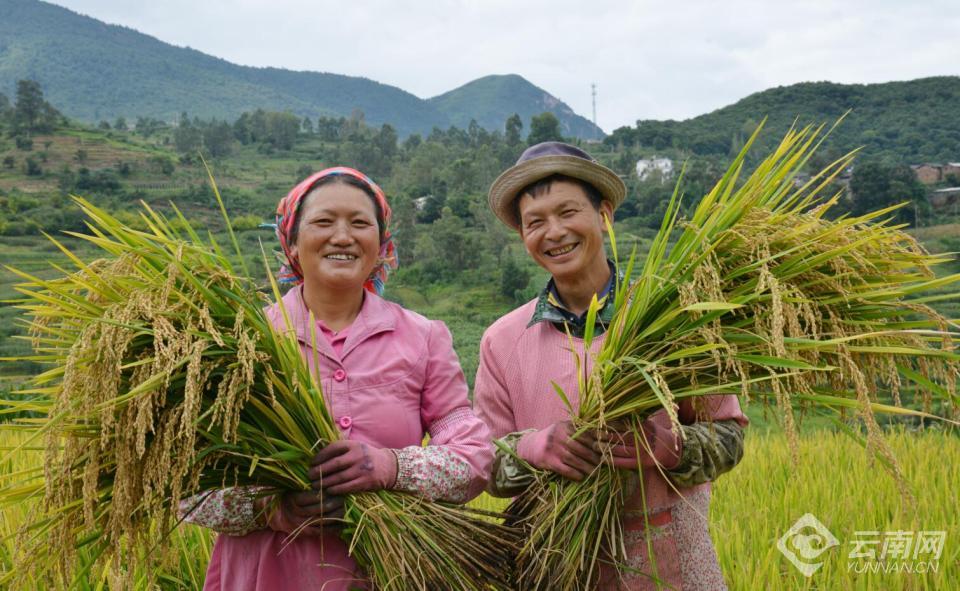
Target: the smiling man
pixel 557 198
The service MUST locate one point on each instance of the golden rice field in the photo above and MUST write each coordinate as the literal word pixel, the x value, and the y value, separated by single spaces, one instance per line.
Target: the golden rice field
pixel 752 508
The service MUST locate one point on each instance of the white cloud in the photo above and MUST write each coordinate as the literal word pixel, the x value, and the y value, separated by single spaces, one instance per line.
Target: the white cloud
pixel 650 60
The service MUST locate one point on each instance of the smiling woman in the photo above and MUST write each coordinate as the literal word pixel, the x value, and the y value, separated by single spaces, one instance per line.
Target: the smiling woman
pixel 389 377
pixel 337 245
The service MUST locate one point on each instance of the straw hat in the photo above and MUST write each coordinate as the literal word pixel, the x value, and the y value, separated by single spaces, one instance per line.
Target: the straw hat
pixel 545 159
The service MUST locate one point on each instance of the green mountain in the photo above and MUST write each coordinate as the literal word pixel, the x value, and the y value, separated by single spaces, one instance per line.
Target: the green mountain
pixel 491 99
pixel 913 121
pixel 92 71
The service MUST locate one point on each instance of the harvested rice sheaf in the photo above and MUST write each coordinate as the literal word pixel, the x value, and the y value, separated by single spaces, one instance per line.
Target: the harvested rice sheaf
pixel 758 294
pixel 165 380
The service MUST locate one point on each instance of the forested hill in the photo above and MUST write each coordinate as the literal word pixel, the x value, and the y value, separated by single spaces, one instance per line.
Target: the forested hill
pixel 487 99
pixel 914 121
pixel 94 71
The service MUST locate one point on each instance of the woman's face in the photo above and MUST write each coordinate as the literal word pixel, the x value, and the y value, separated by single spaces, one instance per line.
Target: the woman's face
pixel 338 241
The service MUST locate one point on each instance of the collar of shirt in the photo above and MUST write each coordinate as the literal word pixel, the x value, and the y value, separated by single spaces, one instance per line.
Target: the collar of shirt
pixel 549 308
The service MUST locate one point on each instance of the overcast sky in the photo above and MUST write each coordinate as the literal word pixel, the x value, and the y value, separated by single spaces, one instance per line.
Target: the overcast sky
pixel 649 60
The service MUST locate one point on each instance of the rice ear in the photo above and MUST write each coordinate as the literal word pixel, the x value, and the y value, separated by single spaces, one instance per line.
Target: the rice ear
pixel 168 379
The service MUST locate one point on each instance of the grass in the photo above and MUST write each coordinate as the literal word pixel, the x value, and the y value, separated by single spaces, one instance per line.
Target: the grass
pixel 752 507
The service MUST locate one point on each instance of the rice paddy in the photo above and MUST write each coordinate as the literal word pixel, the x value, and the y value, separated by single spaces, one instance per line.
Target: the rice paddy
pixel 752 507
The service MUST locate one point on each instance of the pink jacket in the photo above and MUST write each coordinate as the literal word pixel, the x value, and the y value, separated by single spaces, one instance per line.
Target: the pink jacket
pixel 397 379
pixel 513 393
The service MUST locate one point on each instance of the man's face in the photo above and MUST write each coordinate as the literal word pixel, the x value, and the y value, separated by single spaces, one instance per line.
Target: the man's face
pixel 563 232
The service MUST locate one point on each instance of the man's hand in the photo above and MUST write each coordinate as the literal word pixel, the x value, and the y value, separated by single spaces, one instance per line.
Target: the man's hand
pixel 554 449
pixel 304 512
pixel 349 466
pixel 654 443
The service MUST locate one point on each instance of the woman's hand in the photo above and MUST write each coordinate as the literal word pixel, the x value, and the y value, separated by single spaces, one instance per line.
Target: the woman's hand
pixel 349 466
pixel 305 512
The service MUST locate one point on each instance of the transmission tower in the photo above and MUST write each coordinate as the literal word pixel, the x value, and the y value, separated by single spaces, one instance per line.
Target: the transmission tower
pixel 593 91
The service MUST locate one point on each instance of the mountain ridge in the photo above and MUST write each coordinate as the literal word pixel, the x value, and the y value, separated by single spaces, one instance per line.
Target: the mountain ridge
pixel 94 70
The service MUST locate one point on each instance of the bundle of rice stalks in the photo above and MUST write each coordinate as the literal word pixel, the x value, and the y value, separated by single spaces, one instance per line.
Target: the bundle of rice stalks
pixel 760 294
pixel 166 380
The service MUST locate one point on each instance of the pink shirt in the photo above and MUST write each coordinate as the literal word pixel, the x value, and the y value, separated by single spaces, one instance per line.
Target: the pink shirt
pixel 513 393
pixel 336 338
pixel 392 378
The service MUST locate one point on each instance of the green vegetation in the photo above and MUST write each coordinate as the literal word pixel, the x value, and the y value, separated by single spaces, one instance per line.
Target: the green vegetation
pixel 458 263
pixel 899 122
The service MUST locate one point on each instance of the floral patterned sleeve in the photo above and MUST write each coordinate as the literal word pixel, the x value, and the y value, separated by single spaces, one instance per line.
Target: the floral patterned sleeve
pixel 439 471
pixel 227 511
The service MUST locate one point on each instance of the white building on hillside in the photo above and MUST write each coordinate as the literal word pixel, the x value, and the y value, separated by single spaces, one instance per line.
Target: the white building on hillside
pixel 648 166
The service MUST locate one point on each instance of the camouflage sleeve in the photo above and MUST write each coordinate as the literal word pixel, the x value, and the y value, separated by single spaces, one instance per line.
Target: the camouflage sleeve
pixel 511 475
pixel 709 450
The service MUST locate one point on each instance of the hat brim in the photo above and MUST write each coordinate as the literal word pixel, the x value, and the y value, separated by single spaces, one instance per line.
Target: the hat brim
pixel 505 189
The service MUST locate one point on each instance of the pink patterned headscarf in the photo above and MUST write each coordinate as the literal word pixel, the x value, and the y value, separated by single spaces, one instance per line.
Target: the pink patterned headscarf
pixel 291 272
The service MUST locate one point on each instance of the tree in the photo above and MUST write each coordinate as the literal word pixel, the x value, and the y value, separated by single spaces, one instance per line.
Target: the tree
pixel 282 129
pixel 412 142
pixel 29 104
pixel 386 141
pixel 187 137
pixel 6 111
pixel 496 235
pixel 404 227
pixel 432 209
pixel 31 167
pixel 218 138
pixel 514 128
pixel 328 128
pixel 242 129
pixel 163 163
pixel 513 278
pixel 474 132
pixel 876 185
pixel 449 247
pixel 147 126
pixel 544 127
pixel 31 113
pixel 120 124
pixel 307 125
